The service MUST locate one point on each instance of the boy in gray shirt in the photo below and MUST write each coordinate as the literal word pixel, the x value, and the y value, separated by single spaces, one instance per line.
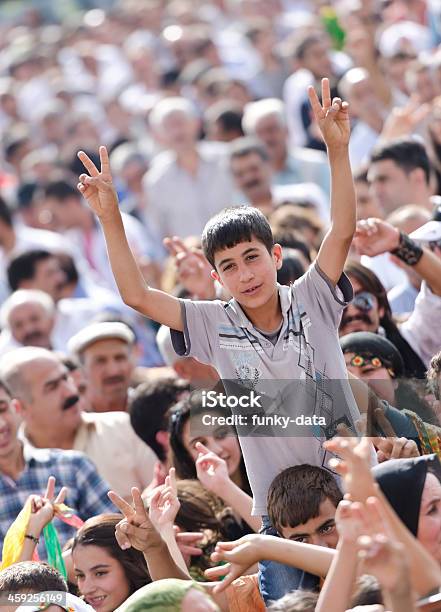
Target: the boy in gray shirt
pixel 266 332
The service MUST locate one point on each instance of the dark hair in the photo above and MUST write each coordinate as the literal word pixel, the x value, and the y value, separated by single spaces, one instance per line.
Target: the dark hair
pixel 248 145
pixel 100 531
pixel 295 495
pixel 61 190
pixel 31 577
pixel 182 460
pixel 303 43
pixel 232 226
pixel 289 239
pixel 149 406
pixel 407 153
pixel 5 213
pixel 68 266
pixel 227 114
pixel 292 267
pixel 23 266
pixel 370 282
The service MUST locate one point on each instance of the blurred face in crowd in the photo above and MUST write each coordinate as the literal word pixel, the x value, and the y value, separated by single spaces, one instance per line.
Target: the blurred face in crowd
pixel 429 524
pixel 367 206
pixel 320 530
pixel 316 59
pixel 252 175
pixel 248 272
pixel 9 422
pixel 65 213
pixel 271 131
pixel 50 398
pixel 365 104
pixel 178 131
pixel 372 370
pixel 48 277
pixel 363 313
pixel 31 324
pixel 100 577
pixel 223 442
pixel 108 366
pixel 395 69
pixel 391 186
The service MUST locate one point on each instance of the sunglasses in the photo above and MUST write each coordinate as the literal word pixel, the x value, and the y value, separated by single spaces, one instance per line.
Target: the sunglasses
pixel 358 361
pixel 364 301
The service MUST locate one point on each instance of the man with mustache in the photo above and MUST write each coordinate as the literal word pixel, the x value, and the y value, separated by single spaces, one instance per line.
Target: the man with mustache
pixel 250 164
pixel 47 400
pixel 106 353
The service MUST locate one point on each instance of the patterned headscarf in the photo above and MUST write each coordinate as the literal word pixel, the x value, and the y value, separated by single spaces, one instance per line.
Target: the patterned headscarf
pixel 160 596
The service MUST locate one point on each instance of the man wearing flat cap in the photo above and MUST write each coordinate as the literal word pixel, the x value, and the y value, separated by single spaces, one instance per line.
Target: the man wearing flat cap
pixel 105 351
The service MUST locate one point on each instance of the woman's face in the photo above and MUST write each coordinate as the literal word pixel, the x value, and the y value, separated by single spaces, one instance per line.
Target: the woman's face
pixel 223 442
pixel 429 523
pixel 100 578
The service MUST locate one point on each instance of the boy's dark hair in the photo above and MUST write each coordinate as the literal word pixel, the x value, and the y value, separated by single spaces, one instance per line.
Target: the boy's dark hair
pixel 5 213
pixel 248 145
pixel 23 266
pixel 407 153
pixel 62 190
pixel 149 406
pixel 232 226
pixel 296 601
pixel 295 495
pixel 31 577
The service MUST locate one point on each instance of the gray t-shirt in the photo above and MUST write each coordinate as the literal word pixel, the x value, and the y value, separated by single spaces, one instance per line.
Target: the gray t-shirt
pixel 305 358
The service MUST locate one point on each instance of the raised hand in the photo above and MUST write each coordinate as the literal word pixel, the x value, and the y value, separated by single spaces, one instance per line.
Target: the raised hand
pixel 42 507
pixel 353 465
pixel 192 267
pixel 349 527
pixel 240 556
pixel 403 121
pixel 164 503
pixel 332 117
pixel 212 471
pixel 187 543
pixel 135 529
pixel 374 236
pixel 97 187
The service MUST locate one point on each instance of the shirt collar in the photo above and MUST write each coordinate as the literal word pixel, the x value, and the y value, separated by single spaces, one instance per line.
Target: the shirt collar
pixel 239 317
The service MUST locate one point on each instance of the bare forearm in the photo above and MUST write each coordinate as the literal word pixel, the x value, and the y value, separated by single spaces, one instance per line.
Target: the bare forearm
pixel 240 502
pixel 168 536
pixel 429 268
pixel 129 279
pixel 307 557
pixel 336 592
pixel 161 564
pixel 343 200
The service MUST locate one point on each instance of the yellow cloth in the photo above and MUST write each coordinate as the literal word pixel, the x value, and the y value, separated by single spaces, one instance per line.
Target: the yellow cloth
pixel 14 538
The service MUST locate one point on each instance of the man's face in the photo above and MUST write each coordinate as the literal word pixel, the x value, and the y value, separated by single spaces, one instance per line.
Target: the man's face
pixel 178 131
pixel 390 186
pixel 362 314
pixel 248 272
pixel 48 277
pixel 64 213
pixel 273 134
pixel 374 373
pixel 31 325
pixel 52 398
pixel 252 175
pixel 320 530
pixel 367 206
pixel 8 425
pixel 317 60
pixel 108 366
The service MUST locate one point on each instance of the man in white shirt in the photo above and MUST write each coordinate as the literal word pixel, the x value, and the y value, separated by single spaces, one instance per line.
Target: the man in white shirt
pixel 189 181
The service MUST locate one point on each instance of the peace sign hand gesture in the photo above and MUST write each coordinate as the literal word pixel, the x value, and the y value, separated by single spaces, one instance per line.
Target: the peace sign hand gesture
pixel 332 117
pixel 135 529
pixel 97 187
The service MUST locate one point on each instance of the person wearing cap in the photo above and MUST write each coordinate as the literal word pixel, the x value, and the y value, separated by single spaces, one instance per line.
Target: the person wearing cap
pixel 106 353
pixel 48 402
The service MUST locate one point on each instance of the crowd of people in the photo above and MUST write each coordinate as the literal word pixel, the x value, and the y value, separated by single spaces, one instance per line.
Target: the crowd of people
pixel 220 305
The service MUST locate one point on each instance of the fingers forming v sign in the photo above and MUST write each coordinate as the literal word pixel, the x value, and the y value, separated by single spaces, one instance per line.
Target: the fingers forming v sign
pixel 136 528
pixel 97 187
pixel 332 116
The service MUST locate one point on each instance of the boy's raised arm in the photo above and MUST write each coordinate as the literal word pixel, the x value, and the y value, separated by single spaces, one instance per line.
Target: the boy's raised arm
pixel 332 117
pixel 98 189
